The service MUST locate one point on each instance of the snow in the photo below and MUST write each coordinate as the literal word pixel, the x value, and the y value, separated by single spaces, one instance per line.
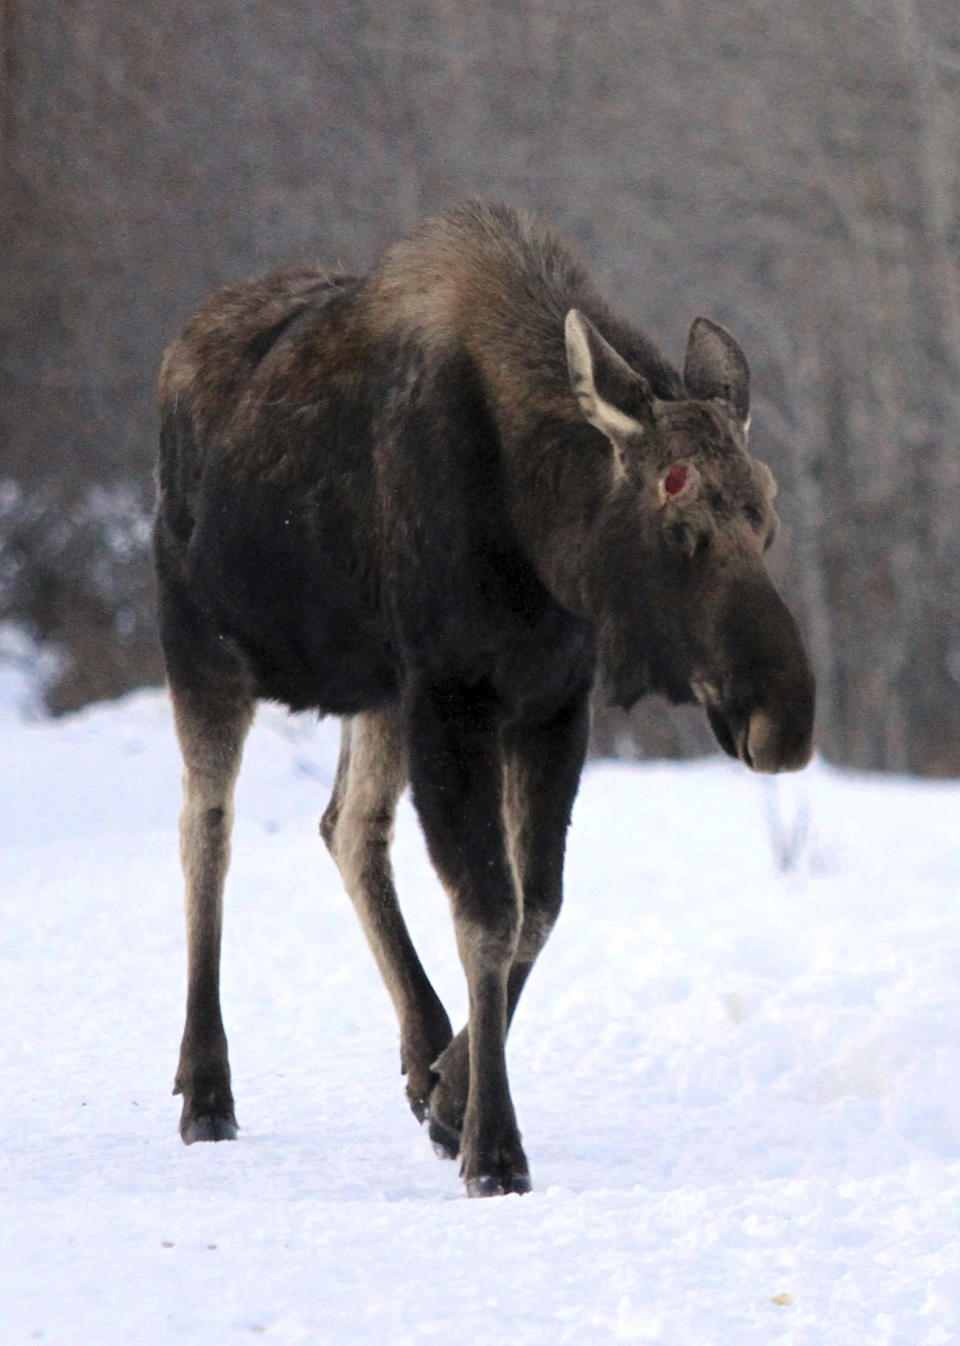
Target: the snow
pixel 737 1084
pixel 27 669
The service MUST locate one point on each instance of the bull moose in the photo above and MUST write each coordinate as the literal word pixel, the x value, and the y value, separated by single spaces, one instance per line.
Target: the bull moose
pixel 434 500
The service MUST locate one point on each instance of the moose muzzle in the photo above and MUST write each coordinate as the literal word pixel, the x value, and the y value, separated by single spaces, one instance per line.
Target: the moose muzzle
pixel 761 707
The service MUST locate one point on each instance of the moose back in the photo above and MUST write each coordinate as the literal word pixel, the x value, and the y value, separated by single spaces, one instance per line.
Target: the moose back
pixel 434 501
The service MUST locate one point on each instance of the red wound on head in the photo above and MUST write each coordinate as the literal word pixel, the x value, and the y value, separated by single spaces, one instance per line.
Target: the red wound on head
pixel 676 479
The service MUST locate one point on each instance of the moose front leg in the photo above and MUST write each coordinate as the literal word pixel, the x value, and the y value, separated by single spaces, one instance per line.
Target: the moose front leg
pixel 542 764
pixel 456 772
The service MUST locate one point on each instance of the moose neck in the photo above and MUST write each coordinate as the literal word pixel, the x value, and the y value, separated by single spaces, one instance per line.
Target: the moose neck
pixel 558 483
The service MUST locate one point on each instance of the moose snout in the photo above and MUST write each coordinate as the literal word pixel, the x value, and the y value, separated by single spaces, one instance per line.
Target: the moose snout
pixel 769 745
pixel 762 711
pixel 766 737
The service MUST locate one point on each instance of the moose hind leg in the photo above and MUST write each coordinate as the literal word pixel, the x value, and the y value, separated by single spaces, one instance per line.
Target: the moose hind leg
pixel 211 736
pixel 358 828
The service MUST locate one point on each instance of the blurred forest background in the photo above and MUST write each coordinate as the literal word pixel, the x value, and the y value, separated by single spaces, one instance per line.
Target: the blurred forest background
pixel 790 169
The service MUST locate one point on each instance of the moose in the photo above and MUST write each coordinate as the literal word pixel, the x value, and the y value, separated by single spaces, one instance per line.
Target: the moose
pixel 438 501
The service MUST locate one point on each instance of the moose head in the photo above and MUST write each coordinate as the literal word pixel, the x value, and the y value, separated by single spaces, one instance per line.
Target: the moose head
pixel 674 574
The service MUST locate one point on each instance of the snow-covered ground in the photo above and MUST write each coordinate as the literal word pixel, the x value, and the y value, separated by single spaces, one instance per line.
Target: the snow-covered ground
pixel 739 1087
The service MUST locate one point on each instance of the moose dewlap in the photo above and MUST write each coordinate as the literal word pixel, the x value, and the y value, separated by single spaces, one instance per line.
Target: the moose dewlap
pixel 435 500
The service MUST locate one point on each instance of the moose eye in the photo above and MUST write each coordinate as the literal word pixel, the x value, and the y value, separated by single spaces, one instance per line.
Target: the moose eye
pixel 676 479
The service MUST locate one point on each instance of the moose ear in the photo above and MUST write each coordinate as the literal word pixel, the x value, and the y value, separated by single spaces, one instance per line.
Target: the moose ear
pixel 715 366
pixel 612 397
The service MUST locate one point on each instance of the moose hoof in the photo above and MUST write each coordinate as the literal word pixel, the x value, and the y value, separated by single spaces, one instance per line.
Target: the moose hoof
pixel 418 1096
pixel 488 1185
pixel 444 1139
pixel 418 1106
pixel 208 1128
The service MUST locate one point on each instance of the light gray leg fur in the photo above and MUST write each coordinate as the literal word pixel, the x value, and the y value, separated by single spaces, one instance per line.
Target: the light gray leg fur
pixel 211 739
pixel 358 829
